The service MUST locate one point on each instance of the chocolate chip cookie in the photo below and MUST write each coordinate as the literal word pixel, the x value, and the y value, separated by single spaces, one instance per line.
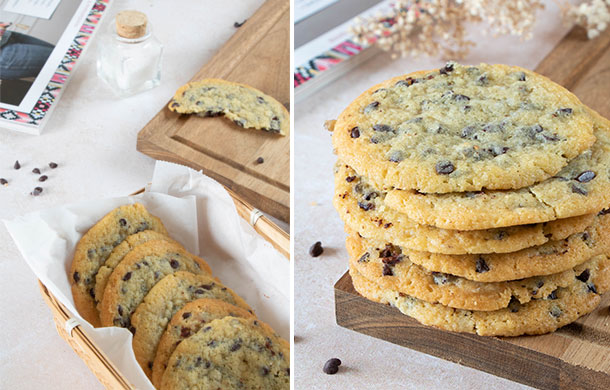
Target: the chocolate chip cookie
pixel 463 128
pixel 244 105
pixel 96 245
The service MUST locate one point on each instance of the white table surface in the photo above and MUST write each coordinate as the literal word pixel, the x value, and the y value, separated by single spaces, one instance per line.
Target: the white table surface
pixel 369 363
pixel 92 136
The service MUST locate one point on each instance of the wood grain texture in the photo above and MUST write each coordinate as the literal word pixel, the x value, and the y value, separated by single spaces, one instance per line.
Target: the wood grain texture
pixel 576 356
pixel 258 54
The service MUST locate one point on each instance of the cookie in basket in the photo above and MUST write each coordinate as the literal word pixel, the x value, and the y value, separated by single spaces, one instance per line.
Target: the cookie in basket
pixel 97 244
pixel 463 128
pixel 187 321
pixel 362 207
pixel 138 272
pixel 538 316
pixel 169 295
pixel 230 353
pixel 246 106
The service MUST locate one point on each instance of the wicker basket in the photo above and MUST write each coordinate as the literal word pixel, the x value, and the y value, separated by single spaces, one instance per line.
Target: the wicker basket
pixel 86 348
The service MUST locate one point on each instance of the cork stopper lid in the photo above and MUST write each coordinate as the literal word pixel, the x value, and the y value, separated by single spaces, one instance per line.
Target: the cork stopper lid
pixel 131 24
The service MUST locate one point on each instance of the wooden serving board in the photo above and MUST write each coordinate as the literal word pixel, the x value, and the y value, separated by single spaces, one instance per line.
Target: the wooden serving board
pixel 258 54
pixel 576 356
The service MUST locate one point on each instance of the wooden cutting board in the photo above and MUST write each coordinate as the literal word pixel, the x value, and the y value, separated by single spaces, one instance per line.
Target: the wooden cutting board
pixel 576 356
pixel 258 54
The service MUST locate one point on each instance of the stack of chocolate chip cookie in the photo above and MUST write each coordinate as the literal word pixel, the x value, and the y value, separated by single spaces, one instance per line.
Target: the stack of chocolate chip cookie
pixel 189 330
pixel 476 199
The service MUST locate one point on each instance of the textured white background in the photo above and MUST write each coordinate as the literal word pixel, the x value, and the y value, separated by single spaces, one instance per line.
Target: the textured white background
pixel 92 136
pixel 368 362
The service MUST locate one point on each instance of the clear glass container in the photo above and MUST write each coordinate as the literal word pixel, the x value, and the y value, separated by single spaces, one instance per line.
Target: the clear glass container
pixel 129 66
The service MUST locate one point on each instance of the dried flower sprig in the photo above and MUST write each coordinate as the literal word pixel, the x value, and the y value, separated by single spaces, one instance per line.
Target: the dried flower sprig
pixel 592 15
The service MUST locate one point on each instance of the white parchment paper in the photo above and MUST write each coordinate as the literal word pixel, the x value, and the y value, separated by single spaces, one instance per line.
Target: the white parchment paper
pixel 198 213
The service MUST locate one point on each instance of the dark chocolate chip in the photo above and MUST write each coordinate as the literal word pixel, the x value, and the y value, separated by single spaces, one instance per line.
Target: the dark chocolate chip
pixel 382 128
pixel 586 236
pixel 207 286
pixel 366 206
pixel 92 293
pixel 174 263
pixel 212 343
pixel 584 276
pixel 260 160
pixel 238 25
pixel 482 80
pixel 316 249
pixel 514 305
pixel 364 258
pixel 502 234
pixel 43 178
pixel 355 132
pixel 555 311
pixel 37 191
pixel 331 367
pixel 448 68
pixel 387 270
pixel 604 212
pixel 521 76
pixel 350 179
pixel 578 190
pixel 17 165
pixel 264 371
pixel 563 112
pixel 123 222
pixel 444 167
pixel 461 98
pixel 174 104
pixel 236 345
pixel 481 265
pixel 127 276
pixel 552 295
pixel 53 165
pixel 585 176
pixel 439 278
pixel 186 315
pixel 76 277
pixel 592 288
pixel 539 283
pixel 3 181
pixel 185 332
pixel 260 100
pixel 120 310
pixel 372 106
pixel 36 171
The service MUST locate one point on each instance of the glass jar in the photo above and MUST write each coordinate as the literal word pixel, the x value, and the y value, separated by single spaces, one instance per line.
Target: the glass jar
pixel 129 56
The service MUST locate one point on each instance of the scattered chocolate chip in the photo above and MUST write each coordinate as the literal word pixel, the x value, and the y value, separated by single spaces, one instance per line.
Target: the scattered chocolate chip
pixel 448 68
pixel 539 283
pixel 17 165
pixel 186 315
pixel 37 191
pixel 355 132
pixel 260 160
pixel 53 165
pixel 331 367
pixel 552 295
pixel 382 128
pixel 521 76
pixel 584 276
pixel 502 234
pixel 92 293
pixel 127 276
pixel 238 25
pixel 555 311
pixel 586 236
pixel 563 112
pixel 604 212
pixel 185 332
pixel 444 167
pixel 123 222
pixel 585 177
pixel 316 249
pixel 174 263
pixel 592 288
pixel 36 171
pixel 514 305
pixel 236 345
pixel 439 278
pixel 481 265
pixel 364 258
pixel 207 286
pixel 578 190
pixel 120 310
pixel 350 179
pixel 366 206
pixel 264 371
pixel 482 80
pixel 387 270
pixel 3 181
pixel 76 277
pixel 372 106
pixel 460 98
pixel 174 104
pixel 43 178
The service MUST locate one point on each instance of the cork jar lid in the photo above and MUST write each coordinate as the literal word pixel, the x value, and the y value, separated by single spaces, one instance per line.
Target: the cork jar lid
pixel 131 24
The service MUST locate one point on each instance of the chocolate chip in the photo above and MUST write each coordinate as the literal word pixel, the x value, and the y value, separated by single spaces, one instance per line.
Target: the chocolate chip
pixel 552 295
pixel 264 371
pixel 584 276
pixel 521 76
pixel 497 150
pixel 37 191
pixel 43 178
pixel 174 104
pixel 555 311
pixel 236 345
pixel 260 160
pixel 185 332
pixel 366 206
pixel 585 177
pixel 17 165
pixel 502 234
pixel 382 128
pixel 586 236
pixel 123 222
pixel 481 265
pixel 238 25
pixel 207 286
pixel 53 165
pixel 439 278
pixel 539 283
pixel 186 315
pixel 316 249
pixel 355 132
pixel 604 212
pixel 3 181
pixel 260 100
pixel 127 276
pixel 448 68
pixel 92 293
pixel 482 80
pixel 331 367
pixel 364 258
pixel 578 190
pixel 592 288
pixel 514 305
pixel 76 277
pixel 444 167
pixel 461 98
pixel 372 106
pixel 212 343
pixel 174 263
pixel 36 171
pixel 563 112
pixel 350 179
pixel 387 270
pixel 120 310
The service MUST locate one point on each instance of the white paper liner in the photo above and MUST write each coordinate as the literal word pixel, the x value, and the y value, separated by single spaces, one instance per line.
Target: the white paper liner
pixel 197 212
